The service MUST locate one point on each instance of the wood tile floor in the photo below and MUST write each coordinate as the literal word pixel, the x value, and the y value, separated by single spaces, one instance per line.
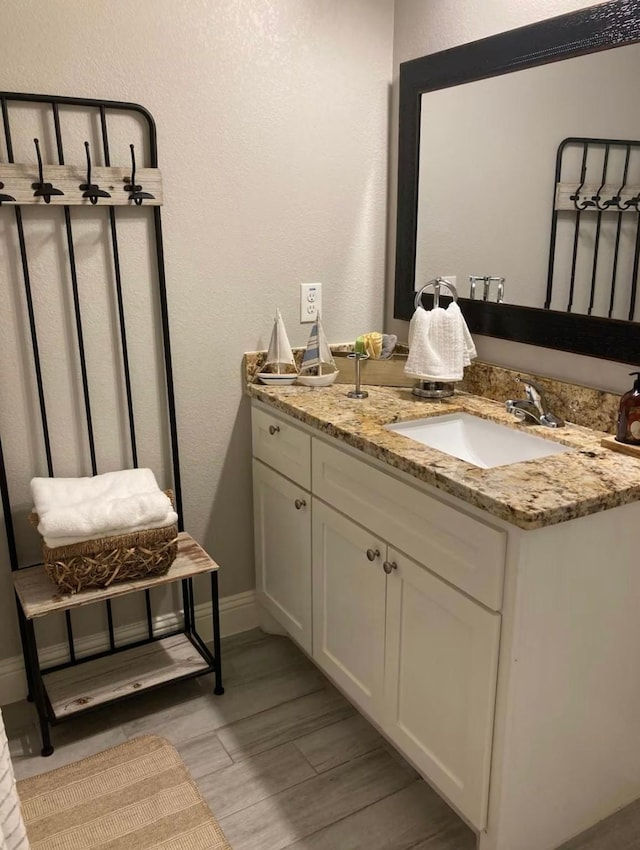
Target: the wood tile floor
pixel 283 760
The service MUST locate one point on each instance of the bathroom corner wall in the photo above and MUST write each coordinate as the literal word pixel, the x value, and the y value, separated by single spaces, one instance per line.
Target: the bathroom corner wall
pixel 273 143
pixel 422 28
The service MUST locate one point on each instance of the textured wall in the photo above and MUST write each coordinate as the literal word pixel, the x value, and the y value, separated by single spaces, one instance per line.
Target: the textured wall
pixel 422 28
pixel 273 126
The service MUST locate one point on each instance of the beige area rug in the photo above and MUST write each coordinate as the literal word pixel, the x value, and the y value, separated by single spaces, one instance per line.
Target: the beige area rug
pixel 136 795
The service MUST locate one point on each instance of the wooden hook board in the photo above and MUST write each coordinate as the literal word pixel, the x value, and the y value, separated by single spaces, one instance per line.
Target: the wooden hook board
pixel 564 191
pixel 18 179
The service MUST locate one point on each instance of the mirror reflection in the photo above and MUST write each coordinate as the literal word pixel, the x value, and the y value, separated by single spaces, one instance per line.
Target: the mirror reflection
pixel 491 204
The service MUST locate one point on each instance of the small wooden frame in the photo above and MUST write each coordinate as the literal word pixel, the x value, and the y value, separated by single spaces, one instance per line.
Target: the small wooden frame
pixel 383 373
pixel 624 448
pixel 18 179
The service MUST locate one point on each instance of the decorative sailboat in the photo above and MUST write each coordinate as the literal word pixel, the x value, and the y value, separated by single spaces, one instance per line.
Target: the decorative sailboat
pixel 279 368
pixel 318 366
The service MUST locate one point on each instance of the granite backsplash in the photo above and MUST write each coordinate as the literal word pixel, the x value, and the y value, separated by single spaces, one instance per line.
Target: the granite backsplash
pixel 581 405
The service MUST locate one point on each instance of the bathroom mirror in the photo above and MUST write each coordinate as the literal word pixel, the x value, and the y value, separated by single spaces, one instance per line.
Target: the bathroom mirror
pixel 480 126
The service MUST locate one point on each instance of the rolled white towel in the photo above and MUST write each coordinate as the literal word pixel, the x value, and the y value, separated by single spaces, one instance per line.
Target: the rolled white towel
pixel 95 507
pixel 55 542
pixel 51 493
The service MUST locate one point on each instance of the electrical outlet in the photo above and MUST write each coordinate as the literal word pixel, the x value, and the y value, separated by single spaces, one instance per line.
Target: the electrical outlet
pixel 450 278
pixel 310 301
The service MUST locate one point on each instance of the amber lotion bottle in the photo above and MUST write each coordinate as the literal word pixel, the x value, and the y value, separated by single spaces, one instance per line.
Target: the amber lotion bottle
pixel 629 415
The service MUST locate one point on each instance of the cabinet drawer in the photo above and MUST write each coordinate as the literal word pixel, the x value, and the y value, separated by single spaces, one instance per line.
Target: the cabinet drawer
pixel 282 446
pixel 464 551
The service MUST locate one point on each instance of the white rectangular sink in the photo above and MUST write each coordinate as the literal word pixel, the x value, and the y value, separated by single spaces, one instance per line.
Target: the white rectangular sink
pixel 479 441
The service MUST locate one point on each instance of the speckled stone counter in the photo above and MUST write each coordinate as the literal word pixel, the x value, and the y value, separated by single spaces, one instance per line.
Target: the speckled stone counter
pixel 586 406
pixel 532 494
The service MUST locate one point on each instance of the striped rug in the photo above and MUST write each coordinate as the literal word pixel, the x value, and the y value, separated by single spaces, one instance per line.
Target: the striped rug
pixel 136 795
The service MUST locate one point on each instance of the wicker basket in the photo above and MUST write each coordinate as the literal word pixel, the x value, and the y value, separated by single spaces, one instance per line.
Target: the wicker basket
pixel 98 563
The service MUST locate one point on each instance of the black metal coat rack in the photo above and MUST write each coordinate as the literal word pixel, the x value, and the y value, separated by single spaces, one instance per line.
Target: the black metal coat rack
pixel 76 186
pixel 597 199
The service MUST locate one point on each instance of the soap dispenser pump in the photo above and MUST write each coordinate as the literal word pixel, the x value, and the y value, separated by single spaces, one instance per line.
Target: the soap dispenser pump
pixel 629 415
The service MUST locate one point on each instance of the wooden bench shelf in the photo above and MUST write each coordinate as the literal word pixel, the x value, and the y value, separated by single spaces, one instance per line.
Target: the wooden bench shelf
pixel 102 680
pixel 39 596
pixel 83 684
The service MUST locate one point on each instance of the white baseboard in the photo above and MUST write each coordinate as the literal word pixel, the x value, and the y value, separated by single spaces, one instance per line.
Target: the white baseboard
pixel 238 613
pixel 268 622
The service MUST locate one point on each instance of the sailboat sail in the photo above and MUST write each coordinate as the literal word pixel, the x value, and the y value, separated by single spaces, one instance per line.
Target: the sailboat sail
pixel 279 368
pixel 279 355
pixel 317 354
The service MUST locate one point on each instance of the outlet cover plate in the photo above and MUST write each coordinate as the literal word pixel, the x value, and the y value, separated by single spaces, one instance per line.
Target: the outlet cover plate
pixel 310 302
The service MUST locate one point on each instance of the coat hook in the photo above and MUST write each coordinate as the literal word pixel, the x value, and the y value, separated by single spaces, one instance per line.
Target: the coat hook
pixel 618 195
pixel 43 190
pixel 630 202
pixel 135 191
pixel 4 197
pixel 583 177
pixel 91 190
pixel 597 198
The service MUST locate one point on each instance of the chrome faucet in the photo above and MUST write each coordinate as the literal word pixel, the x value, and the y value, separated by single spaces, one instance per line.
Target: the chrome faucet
pixel 534 406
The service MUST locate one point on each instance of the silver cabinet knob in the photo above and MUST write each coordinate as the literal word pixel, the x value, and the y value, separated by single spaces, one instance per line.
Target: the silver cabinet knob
pixel 273 429
pixel 389 566
pixel 372 554
pixel 300 503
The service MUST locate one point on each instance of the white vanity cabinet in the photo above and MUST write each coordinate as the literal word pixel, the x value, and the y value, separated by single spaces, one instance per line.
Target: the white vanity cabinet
pixel 509 675
pixel 415 653
pixel 282 523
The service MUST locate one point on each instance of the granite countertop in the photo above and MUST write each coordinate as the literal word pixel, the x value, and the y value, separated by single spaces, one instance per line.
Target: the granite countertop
pixel 531 494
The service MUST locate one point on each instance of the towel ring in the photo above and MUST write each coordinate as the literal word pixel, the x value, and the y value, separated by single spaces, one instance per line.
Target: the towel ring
pixel 434 389
pixel 437 282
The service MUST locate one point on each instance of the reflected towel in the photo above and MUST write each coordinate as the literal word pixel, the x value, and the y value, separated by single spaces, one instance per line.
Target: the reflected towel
pixel 98 506
pixel 440 345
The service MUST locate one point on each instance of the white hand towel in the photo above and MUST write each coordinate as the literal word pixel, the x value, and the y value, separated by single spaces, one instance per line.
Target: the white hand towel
pixel 71 507
pixel 440 345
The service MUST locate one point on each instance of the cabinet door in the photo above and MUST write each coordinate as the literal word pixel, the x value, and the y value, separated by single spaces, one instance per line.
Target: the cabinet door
pixel 282 520
pixel 349 606
pixel 440 682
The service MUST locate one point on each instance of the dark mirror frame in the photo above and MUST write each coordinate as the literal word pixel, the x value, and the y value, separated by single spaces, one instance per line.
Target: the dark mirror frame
pixel 612 24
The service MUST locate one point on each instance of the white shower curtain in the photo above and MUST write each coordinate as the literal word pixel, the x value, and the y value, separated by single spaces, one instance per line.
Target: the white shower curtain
pixel 12 831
